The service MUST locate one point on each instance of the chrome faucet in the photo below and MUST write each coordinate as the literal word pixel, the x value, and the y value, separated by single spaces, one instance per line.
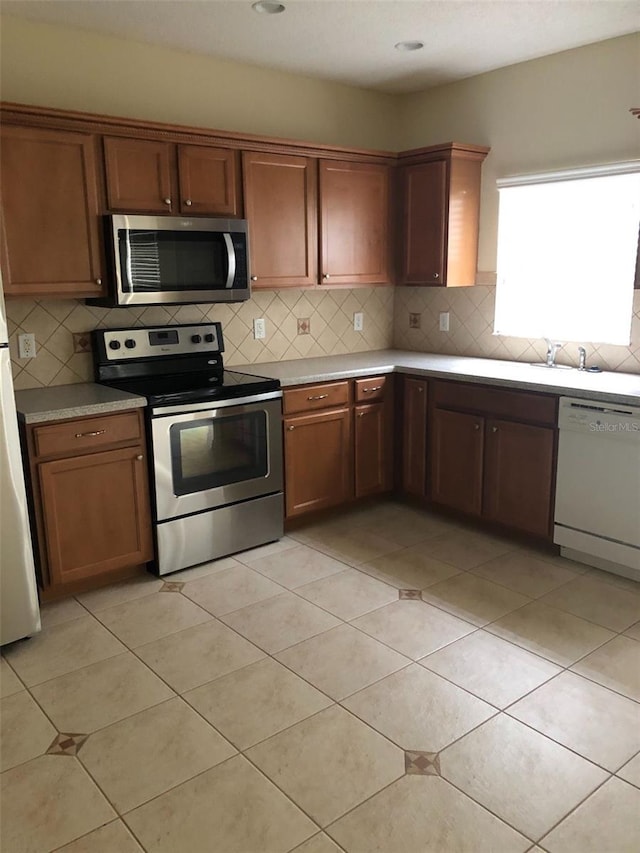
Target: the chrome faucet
pixel 552 349
pixel 582 358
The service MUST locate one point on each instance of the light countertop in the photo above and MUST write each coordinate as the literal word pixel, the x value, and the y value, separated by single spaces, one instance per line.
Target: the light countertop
pixel 605 386
pixel 37 405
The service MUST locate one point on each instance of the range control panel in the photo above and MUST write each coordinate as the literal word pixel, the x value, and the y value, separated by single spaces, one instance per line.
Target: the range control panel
pixel 115 345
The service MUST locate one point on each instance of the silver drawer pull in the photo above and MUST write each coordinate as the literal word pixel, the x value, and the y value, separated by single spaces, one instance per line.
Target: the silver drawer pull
pixel 89 434
pixel 318 397
pixel 290 428
pixel 139 456
pixel 371 390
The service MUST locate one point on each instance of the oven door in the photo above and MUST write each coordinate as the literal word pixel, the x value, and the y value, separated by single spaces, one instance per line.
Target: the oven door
pixel 209 457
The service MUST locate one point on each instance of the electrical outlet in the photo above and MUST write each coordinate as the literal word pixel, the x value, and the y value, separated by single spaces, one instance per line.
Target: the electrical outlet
pixel 444 321
pixel 27 345
pixel 358 321
pixel 259 329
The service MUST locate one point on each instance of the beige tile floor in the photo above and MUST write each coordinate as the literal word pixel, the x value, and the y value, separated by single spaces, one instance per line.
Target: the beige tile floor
pixel 387 682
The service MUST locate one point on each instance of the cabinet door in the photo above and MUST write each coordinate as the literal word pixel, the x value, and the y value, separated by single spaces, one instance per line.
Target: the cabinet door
pixel 50 212
pixel 414 439
pixel 354 223
pixel 456 460
pixel 96 513
pixel 519 475
pixel 209 180
pixel 372 450
pixel 140 175
pixel 424 218
pixel 280 195
pixel 318 461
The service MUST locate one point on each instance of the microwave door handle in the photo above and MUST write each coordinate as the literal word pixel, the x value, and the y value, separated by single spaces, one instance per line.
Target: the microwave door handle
pixel 231 254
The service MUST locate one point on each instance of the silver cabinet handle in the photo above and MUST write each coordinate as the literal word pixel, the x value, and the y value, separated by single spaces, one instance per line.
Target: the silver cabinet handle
pixel 361 414
pixel 476 426
pixel 140 456
pixel 420 389
pixel 318 397
pixel 188 202
pixel 167 201
pixel 326 275
pixel 436 275
pixel 290 428
pixel 89 434
pixel 371 390
pixel 254 278
pixel 98 281
pixel 494 429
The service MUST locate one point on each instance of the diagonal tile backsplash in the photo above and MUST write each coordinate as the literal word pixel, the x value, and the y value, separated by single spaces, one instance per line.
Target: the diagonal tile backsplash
pixel 471 311
pixel 330 331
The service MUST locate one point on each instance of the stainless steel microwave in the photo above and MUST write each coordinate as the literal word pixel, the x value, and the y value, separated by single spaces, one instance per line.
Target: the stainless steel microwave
pixel 165 260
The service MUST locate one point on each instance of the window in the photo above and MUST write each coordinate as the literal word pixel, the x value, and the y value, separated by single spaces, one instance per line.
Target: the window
pixel 567 249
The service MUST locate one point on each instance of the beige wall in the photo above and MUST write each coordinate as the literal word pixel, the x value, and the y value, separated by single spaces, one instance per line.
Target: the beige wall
pixel 564 110
pixel 80 70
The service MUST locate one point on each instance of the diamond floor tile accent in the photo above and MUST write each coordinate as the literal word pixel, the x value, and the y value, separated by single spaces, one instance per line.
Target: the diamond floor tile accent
pixel 421 763
pixel 409 594
pixel 172 586
pixel 67 744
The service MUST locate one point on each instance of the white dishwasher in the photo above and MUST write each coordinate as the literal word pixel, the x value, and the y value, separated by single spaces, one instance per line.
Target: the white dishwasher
pixel 597 511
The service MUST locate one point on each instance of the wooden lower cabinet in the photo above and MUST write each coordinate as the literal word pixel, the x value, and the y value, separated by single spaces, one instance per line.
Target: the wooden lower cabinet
pixel 457 460
pixel 414 436
pixel 373 472
pixel 96 513
pixel 518 483
pixel 90 492
pixel 317 453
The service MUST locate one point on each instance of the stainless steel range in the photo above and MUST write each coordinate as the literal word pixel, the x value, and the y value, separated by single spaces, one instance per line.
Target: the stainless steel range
pixel 215 436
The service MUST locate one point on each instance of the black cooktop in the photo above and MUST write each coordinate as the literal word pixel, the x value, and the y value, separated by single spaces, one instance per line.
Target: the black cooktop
pixel 195 387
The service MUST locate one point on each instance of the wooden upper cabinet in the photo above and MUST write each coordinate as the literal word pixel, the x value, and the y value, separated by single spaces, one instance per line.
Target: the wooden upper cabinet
pixel 440 209
pixel 281 196
pixel 209 180
pixel 140 175
pixel 424 189
pixel 149 176
pixel 354 223
pixel 50 226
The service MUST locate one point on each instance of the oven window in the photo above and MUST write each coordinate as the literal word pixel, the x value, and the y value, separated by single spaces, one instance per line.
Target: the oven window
pixel 156 261
pixel 207 454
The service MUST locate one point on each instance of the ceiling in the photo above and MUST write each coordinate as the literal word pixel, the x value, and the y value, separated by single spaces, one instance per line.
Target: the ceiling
pixel 352 41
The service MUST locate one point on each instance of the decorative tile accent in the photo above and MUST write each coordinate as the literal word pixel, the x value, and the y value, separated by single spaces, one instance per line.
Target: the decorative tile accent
pixel 304 325
pixel 409 594
pixel 421 763
pixel 171 586
pixel 81 341
pixel 414 321
pixel 67 744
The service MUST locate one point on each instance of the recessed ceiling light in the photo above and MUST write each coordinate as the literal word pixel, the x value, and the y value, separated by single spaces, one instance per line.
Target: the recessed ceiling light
pixel 406 46
pixel 268 7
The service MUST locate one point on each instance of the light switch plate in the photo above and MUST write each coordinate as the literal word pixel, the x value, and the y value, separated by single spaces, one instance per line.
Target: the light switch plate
pixel 358 321
pixel 444 321
pixel 259 329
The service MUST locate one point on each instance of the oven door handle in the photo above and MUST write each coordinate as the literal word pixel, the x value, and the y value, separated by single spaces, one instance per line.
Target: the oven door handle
pixel 212 405
pixel 231 254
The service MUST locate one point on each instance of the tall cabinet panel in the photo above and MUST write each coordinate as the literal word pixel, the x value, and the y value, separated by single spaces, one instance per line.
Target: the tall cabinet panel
pixel 414 438
pixel 50 213
pixel 354 223
pixel 280 193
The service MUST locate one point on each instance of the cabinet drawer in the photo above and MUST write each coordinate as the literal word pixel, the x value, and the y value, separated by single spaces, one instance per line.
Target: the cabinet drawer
pixel 519 405
pixel 86 434
pixel 311 397
pixel 370 390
